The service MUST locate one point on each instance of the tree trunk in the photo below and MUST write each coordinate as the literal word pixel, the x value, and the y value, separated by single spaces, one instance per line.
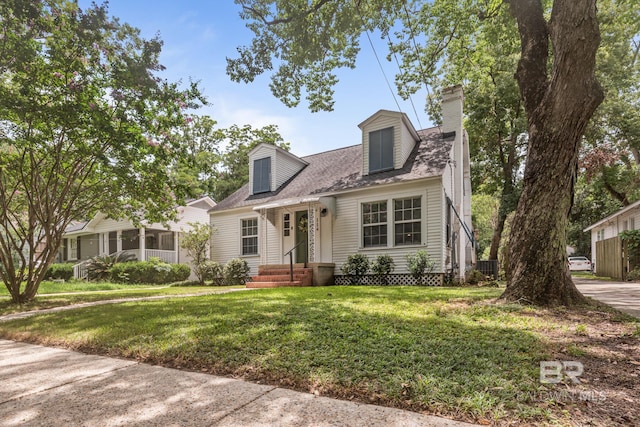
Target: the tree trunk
pixel 497 233
pixel 558 108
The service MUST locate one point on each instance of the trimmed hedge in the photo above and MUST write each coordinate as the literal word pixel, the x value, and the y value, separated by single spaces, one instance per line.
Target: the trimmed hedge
pixel 149 272
pixel 59 271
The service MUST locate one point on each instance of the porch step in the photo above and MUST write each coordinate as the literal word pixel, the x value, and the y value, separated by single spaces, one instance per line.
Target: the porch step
pixel 277 276
pixel 274 284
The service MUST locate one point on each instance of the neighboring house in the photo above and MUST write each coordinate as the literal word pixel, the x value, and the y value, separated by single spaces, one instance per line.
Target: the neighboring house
pixel 398 191
pixel 627 218
pixel 103 236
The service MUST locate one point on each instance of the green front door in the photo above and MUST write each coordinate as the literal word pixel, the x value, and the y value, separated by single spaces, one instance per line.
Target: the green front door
pixel 302 235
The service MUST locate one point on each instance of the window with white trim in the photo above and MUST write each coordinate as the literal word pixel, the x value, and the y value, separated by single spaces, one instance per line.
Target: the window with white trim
pixel 632 223
pixel 249 236
pixel 374 224
pixel 407 216
pixel 381 150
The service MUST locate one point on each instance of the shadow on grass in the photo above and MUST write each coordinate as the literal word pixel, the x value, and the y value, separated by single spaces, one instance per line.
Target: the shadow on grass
pixel 417 348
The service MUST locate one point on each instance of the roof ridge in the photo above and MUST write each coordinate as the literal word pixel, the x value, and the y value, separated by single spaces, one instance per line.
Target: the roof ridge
pixel 330 151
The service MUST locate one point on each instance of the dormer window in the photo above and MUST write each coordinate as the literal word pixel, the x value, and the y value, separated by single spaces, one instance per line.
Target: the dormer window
pixel 262 175
pixel 381 150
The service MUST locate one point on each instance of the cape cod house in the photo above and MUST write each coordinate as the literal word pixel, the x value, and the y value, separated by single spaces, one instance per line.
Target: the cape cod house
pixel 104 236
pixel 398 191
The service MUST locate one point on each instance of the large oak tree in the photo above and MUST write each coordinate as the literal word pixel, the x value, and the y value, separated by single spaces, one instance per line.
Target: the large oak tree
pixel 86 124
pixel 305 41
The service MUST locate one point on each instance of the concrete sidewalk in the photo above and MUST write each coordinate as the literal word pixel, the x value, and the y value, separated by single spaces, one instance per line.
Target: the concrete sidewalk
pixel 50 386
pixel 625 296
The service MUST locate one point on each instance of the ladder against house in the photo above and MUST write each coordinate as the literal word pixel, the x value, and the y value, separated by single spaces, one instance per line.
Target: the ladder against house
pixel 276 276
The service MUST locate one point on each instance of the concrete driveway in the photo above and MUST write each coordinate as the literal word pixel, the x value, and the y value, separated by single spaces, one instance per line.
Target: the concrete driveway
pixel 625 296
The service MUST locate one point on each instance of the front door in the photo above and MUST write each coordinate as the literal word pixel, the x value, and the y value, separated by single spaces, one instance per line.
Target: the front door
pixel 302 236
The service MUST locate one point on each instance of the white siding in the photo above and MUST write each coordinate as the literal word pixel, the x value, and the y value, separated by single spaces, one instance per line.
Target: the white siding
pixel 225 243
pixel 285 167
pixel 407 144
pixel 403 141
pixel 107 225
pixel 347 227
pixel 382 121
pixel 261 152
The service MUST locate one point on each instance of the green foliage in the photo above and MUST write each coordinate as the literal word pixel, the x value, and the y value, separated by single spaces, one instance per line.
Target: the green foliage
pixel 59 271
pixel 152 271
pixel 210 170
pixel 357 265
pixel 475 276
pixel 87 124
pixel 420 264
pixel 196 243
pixel 99 267
pixel 634 275
pixel 383 264
pixel 236 271
pixel 632 237
pixel 210 271
pixel 484 211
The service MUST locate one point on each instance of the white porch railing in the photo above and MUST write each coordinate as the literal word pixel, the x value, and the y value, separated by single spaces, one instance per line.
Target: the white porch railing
pixel 166 256
pixel 80 270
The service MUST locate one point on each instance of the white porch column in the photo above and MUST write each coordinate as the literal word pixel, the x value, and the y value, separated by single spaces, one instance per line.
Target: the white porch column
pixel 176 248
pixel 143 245
pixel 119 241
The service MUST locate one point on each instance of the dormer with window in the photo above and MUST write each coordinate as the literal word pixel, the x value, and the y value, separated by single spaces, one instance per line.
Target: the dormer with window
pixel 388 138
pixel 270 167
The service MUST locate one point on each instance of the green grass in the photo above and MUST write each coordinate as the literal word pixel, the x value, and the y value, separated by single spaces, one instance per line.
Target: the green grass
pixel 48 287
pixel 439 349
pixel 62 294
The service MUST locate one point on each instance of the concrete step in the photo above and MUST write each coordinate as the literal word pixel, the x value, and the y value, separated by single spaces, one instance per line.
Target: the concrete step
pixel 274 284
pixel 278 278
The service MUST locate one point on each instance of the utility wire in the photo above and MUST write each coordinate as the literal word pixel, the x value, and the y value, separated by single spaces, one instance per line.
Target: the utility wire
pixel 410 98
pixel 415 46
pixel 393 94
pixel 383 73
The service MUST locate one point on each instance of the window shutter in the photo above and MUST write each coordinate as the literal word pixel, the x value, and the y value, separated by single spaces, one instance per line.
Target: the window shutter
pixel 381 150
pixel 262 175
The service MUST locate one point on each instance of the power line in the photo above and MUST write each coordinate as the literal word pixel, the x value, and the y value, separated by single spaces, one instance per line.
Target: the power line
pixel 418 56
pixel 410 98
pixel 382 69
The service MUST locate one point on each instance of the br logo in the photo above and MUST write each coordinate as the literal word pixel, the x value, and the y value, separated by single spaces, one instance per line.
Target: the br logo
pixel 554 371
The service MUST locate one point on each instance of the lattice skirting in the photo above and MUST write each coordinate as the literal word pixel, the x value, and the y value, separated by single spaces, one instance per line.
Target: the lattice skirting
pixel 390 280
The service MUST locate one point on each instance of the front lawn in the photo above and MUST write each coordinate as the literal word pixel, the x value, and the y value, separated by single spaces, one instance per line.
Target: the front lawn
pixel 54 294
pixel 448 351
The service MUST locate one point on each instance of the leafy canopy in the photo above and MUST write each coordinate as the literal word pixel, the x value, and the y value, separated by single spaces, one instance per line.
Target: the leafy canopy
pixel 86 124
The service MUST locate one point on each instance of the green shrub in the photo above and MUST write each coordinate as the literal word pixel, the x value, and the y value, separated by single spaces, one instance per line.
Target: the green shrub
pixel 236 272
pixel 59 271
pixel 357 265
pixel 209 271
pixel 179 273
pixel 383 265
pixel 99 267
pixel 419 264
pixel 634 275
pixel 152 271
pixel 475 276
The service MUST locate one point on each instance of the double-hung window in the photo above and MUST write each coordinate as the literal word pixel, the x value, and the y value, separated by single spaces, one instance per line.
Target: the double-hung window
pixel 407 215
pixel 249 236
pixel 381 150
pixel 374 224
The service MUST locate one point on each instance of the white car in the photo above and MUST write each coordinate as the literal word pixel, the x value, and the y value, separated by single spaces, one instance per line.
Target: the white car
pixel 579 263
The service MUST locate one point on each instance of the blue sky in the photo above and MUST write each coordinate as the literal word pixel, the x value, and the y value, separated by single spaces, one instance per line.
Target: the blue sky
pixel 199 34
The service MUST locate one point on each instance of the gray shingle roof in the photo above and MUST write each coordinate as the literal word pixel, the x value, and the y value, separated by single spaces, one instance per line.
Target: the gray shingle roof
pixel 340 170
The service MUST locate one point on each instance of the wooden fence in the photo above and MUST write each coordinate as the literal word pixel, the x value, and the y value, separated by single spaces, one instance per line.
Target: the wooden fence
pixel 613 258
